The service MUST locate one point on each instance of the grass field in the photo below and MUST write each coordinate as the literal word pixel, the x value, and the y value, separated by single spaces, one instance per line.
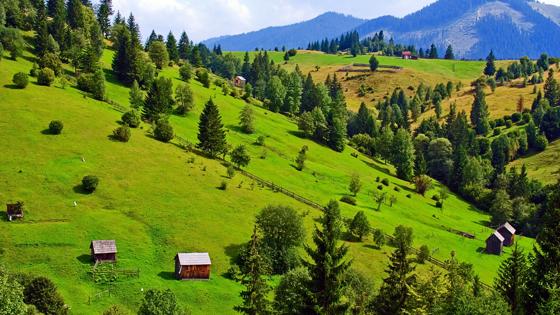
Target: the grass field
pixel 543 166
pixel 155 203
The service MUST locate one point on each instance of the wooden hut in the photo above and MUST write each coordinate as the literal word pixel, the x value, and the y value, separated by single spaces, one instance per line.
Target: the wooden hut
pixel 495 243
pixel 103 251
pixel 508 232
pixel 239 81
pixel 14 211
pixel 192 266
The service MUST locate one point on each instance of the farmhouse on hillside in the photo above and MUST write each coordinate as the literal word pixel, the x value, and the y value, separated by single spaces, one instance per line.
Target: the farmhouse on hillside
pixel 103 251
pixel 192 266
pixel 239 81
pixel 14 211
pixel 495 243
pixel 508 232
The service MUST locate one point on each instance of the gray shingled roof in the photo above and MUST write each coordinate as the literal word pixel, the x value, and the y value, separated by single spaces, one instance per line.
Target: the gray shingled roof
pixel 508 227
pixel 498 235
pixel 104 247
pixel 194 259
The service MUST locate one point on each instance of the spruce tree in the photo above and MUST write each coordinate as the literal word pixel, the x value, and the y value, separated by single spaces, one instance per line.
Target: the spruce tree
pixel 184 46
pixel 490 68
pixel 511 280
pixel 254 295
pixel 172 48
pixel 433 52
pixel 152 38
pixel 449 55
pixel 125 57
pixel 552 89
pixel 328 264
pixel 403 154
pixel 134 29
pixel 246 67
pixel 104 12
pixel 479 112
pixel 41 30
pixel 159 100
pixel 308 95
pixel 58 23
pixel 75 14
pixel 211 135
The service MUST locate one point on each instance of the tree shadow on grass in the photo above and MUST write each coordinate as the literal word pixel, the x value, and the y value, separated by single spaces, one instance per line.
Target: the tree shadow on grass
pixel 79 189
pixel 232 251
pixel 47 132
pixel 12 87
pixel 377 167
pixel 369 246
pixel 167 275
pixel 235 128
pixel 299 134
pixel 84 259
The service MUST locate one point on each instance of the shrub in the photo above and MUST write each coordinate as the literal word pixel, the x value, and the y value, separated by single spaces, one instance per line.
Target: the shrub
pixel 89 183
pixel 51 61
pixel 34 70
pixel 223 185
pixel 527 118
pixel 122 133
pixel 435 198
pixel 21 80
pixel 509 123
pixel 492 124
pixel 378 237
pixel 500 122
pixel 131 118
pixel 423 254
pixel 85 82
pixel 163 131
pixel 516 117
pixel 409 196
pixel 186 72
pixel 385 182
pixel 422 183
pixel 260 140
pixel 380 187
pixel 359 226
pixel 497 131
pixel 45 77
pixel 349 200
pixel 55 127
pixel 541 143
pixel 230 171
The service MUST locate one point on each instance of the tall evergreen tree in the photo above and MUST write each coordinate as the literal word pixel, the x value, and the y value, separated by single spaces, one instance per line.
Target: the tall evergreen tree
pixel 172 48
pixel 490 68
pixel 211 135
pixel 134 29
pixel 41 30
pixel 552 89
pixel 308 95
pixel 159 100
pixel 479 112
pixel 449 53
pixel 403 154
pixel 433 52
pixel 511 280
pixel 75 14
pixel 57 11
pixel 104 12
pixel 254 296
pixel 328 264
pixel 125 57
pixel 152 38
pixel 184 46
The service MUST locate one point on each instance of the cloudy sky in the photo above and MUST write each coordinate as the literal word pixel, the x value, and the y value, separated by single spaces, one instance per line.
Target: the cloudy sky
pixel 203 19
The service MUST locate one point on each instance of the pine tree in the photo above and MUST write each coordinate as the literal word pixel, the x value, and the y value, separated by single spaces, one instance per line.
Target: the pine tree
pixel 479 112
pixel 159 100
pixel 184 46
pixel 41 30
pixel 134 29
pixel 247 120
pixel 246 67
pixel 490 68
pixel 211 135
pixel 433 52
pixel 75 14
pixel 337 133
pixel 403 154
pixel 511 280
pixel 125 57
pixel 57 11
pixel 104 12
pixel 395 290
pixel 328 264
pixel 552 89
pixel 136 96
pixel 152 38
pixel 308 95
pixel 254 296
pixel 172 49
pixel 449 53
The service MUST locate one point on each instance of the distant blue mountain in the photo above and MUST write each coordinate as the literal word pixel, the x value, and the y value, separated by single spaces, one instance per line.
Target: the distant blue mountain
pixel 327 25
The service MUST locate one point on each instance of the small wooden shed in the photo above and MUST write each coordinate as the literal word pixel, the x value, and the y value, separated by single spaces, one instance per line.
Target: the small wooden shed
pixel 508 232
pixel 103 251
pixel 14 211
pixel 406 55
pixel 239 81
pixel 495 243
pixel 192 266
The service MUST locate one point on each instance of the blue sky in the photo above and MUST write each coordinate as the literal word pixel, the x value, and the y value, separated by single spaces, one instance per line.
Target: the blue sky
pixel 203 19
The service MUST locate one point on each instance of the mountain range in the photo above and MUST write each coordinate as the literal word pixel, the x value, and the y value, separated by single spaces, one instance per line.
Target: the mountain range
pixel 512 28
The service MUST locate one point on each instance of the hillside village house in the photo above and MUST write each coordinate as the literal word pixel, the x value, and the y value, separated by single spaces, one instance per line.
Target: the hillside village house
pixel 192 266
pixel 103 251
pixel 508 232
pixel 495 243
pixel 14 211
pixel 406 55
pixel 239 81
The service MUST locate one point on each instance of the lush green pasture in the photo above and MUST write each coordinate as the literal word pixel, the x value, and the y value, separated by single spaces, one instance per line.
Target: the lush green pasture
pixel 543 166
pixel 155 203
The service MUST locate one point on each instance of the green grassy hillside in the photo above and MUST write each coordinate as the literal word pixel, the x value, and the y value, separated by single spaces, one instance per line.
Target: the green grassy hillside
pixel 155 202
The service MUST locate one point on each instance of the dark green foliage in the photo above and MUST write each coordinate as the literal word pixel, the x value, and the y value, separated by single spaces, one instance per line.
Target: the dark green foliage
pixel 247 120
pixel 184 46
pixel 328 264
pixel 449 53
pixel 136 96
pixel 184 99
pixel 158 54
pixel 512 278
pixel 211 135
pixel 172 49
pixel 163 131
pixel 115 310
pixel 490 68
pixel 423 254
pixel 42 293
pixel 385 182
pixel 98 85
pixel 45 77
pixel 20 80
pixel 275 93
pixel 159 100
pixel 541 143
pixel 126 55
pixel 552 89
pixel 378 237
pixel 403 155
pixel 12 41
pixel 291 293
pixel 402 236
pixel 203 77
pixel 122 133
pixel 89 183
pixel 55 127
pixel 373 63
pixel 301 158
pixel 131 119
pixel 159 302
pixel 256 289
pixel 550 124
pixel 186 72
pixel 282 233
pixel 240 157
pixel 359 227
pixel 349 200
pixel 479 112
pixel 11 294
pixel 104 12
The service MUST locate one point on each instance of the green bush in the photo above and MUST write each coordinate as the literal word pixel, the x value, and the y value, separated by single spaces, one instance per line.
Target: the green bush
pixel 509 123
pixel 423 254
pixel 349 200
pixel 55 127
pixel 163 131
pixel 45 77
pixel 51 61
pixel 385 182
pixel 516 117
pixel 260 140
pixel 541 143
pixel 21 80
pixel 89 183
pixel 497 131
pixel 500 122
pixel 122 133
pixel 186 72
pixel 131 118
pixel 380 187
pixel 527 118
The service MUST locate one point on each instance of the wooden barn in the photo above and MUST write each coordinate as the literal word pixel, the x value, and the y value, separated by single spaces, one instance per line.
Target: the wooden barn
pixel 14 211
pixel 239 81
pixel 103 251
pixel 192 266
pixel 495 243
pixel 508 232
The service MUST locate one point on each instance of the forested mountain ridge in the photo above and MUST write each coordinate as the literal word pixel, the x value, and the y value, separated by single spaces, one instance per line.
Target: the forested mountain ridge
pixel 512 28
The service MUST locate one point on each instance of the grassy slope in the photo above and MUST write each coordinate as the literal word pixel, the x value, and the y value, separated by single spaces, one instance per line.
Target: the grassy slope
pixel 543 166
pixel 155 204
